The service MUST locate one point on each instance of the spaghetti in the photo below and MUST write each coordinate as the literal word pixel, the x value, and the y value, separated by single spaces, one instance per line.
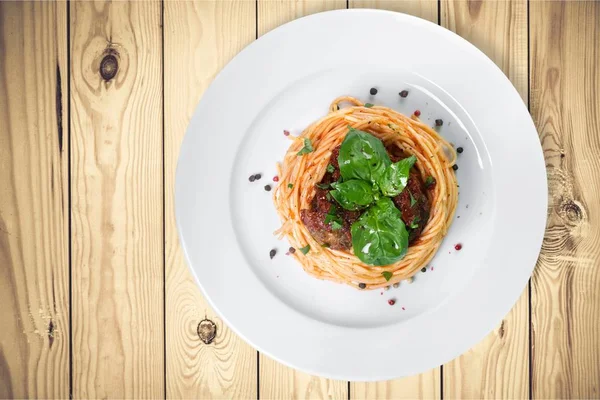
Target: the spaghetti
pixel 299 175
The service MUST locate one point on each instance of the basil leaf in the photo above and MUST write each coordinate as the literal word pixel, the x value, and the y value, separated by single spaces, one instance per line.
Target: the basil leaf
pixel 335 226
pixel 369 105
pixel 305 250
pixel 352 194
pixel 308 148
pixel 330 168
pixel 395 177
pixel 362 156
pixel 379 236
pixel 323 185
pixel 387 275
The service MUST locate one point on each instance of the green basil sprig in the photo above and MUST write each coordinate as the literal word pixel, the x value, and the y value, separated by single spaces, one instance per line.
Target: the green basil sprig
pixel 368 180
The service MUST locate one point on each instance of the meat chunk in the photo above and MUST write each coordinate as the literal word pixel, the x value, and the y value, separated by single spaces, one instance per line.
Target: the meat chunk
pixel 413 203
pixel 315 217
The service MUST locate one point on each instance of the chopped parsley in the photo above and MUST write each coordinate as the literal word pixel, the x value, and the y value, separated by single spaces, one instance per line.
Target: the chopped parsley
pixel 290 185
pixel 308 148
pixel 414 224
pixel 369 105
pixel 336 226
pixel 305 249
pixel 430 181
pixel 330 168
pixel 333 219
pixel 387 275
pixel 412 199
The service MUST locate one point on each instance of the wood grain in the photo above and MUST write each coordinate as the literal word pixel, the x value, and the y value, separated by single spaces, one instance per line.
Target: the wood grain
pixel 565 87
pixel 276 380
pixel 34 263
pixel 426 385
pixel 200 38
pixel 497 367
pixel 427 9
pixel 117 199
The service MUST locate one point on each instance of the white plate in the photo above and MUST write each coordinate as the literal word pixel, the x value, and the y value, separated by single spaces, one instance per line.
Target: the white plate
pixel 286 80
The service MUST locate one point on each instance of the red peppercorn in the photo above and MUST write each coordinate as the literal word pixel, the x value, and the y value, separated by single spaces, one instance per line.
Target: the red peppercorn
pixel 391 302
pixel 457 246
pixel 286 133
pixel 417 113
pixel 275 178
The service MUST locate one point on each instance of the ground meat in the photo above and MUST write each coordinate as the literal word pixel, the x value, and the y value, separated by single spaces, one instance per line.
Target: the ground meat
pixel 314 220
pixel 341 239
pixel 415 217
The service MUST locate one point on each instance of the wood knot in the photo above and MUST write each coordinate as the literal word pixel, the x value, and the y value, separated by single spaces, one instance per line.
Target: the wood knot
pixel 501 330
pixel 50 334
pixel 207 330
pixel 572 211
pixel 109 67
pixel 474 7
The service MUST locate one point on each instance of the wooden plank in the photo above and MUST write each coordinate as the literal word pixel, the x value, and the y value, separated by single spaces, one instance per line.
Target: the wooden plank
pixel 565 301
pixel 276 380
pixel 426 385
pixel 117 199
pixel 426 9
pixel 497 367
pixel 34 209
pixel 200 38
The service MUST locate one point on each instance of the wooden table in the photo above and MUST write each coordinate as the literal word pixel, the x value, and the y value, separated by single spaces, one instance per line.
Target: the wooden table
pixel 95 297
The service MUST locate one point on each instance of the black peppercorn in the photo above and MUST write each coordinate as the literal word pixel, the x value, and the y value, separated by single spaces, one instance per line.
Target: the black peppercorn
pixel 373 91
pixel 272 253
pixel 455 167
pixel 403 93
pixel 362 285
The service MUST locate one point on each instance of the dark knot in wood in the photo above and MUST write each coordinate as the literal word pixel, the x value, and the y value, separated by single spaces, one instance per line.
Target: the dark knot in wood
pixel 207 330
pixel 572 211
pixel 109 67
pixel 50 334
